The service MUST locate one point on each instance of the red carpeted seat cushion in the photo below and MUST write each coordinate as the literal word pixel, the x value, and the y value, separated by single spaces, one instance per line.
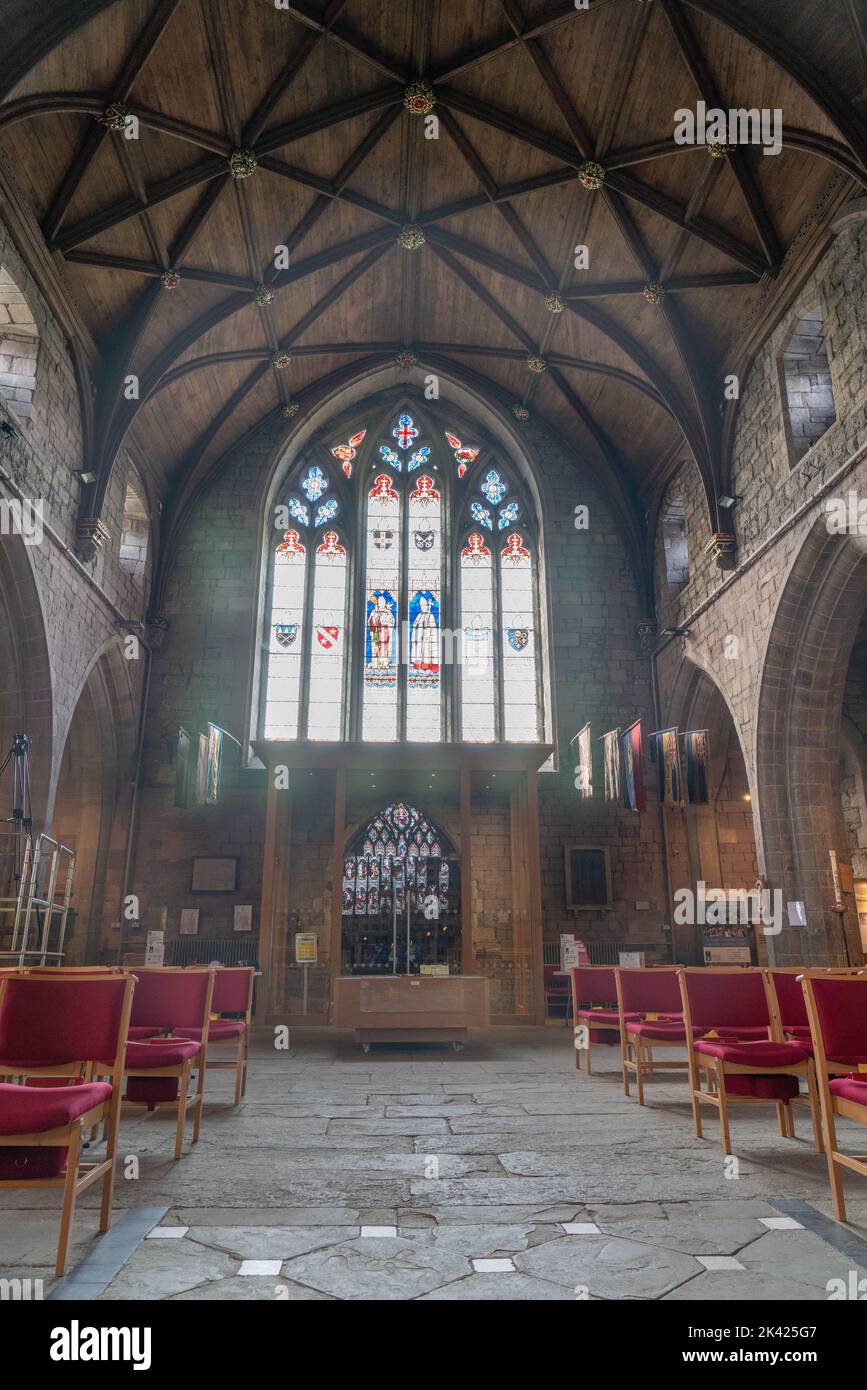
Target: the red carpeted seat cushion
pixel 659 1032
pixel 150 1090
pixel 166 1052
pixel 850 1088
pixel 604 1035
pixel 603 1016
pixel 35 1110
pixel 763 1087
pixel 799 1031
pixel 849 1060
pixel 218 1030
pixel 138 1031
pixel 755 1054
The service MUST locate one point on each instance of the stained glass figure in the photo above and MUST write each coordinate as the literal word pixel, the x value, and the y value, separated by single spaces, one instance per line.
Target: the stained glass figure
pixel 361 887
pixel 405 432
pixel 493 487
pixel 373 886
pixel 381 651
pixel 348 886
pixel 508 516
pixel 326 511
pixel 299 511
pixel 424 622
pixel 481 515
pixel 314 482
pixel 424 579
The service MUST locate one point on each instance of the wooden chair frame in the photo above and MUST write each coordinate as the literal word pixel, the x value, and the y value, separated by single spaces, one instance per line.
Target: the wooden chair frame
pixel 239 1046
pixel 716 1070
pixel 613 1027
pixel 185 1100
pixel 78 1176
pixel 832 1105
pixel 637 1052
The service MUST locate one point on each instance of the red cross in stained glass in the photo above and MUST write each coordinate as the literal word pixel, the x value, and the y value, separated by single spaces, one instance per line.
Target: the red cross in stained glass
pixel 405 431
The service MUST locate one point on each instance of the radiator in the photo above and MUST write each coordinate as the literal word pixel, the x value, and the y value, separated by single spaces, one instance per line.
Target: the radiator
pixel 230 950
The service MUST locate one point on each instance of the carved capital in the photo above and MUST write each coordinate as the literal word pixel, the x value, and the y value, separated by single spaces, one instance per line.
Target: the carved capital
pixel 723 550
pixel 90 538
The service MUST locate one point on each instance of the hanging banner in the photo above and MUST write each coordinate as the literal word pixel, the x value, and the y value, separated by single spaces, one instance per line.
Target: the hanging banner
pixel 611 757
pixel 585 763
pixel 696 756
pixel 633 772
pixel 668 767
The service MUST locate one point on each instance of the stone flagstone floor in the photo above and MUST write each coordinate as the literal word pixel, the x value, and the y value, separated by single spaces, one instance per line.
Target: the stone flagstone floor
pixel 497 1173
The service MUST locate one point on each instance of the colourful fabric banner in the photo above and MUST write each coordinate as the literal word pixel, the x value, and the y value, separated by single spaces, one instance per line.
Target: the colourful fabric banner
pixel 633 773
pixel 584 770
pixel 668 767
pixel 696 759
pixel 611 755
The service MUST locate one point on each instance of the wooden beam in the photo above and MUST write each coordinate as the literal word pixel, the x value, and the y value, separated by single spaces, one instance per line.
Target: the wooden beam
pixel 278 89
pixel 437 236
pixel 487 299
pixel 543 23
pixel 135 64
pixel 820 88
pixel 63 20
pixel 326 27
pixel 679 285
pixel 709 92
pixel 159 192
pixel 667 208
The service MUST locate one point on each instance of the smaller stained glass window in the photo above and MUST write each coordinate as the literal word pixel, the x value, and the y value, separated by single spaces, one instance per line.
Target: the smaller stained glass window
pixel 493 487
pixel 405 432
pixel 314 482
pixel 326 511
pixel 299 511
pixel 508 515
pixel 481 515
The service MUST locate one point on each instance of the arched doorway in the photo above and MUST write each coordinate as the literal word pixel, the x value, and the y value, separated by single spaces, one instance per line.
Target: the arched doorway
pixel 798 746
pixel 401 902
pixel 711 844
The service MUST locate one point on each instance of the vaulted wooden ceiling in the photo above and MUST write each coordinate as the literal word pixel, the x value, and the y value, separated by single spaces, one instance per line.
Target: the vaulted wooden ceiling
pixel 525 93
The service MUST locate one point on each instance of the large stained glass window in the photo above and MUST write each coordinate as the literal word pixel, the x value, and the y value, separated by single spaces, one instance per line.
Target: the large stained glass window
pixel 404 592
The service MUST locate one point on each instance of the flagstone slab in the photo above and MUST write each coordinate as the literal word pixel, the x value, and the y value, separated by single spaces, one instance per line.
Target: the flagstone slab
pixel 609 1267
pixel 389 1268
pixel 269 1242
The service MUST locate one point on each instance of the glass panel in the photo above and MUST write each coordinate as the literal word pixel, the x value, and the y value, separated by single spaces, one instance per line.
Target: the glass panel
pixel 379 720
pixel 423 708
pixel 478 685
pixel 327 641
pixel 520 705
pixel 285 639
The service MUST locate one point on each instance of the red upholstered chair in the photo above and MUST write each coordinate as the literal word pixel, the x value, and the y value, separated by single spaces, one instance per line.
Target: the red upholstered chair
pixel 158 1070
pixel 595 1010
pixel 650 1007
pixel 729 1035
pixel 788 1004
pixel 62 1027
pixel 233 994
pixel 837 1010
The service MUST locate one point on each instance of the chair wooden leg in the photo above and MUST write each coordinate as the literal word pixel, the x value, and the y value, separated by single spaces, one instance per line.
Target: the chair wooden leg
pixel 626 1056
pixel 69 1194
pixel 199 1103
pixel 587 1063
pixel 813 1093
pixel 182 1110
pixel 783 1118
pixel 641 1059
pixel 244 1070
pixel 723 1108
pixel 835 1171
pixel 693 1087
pixel 239 1072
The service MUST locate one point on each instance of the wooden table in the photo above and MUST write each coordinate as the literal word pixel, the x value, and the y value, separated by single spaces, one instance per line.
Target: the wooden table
pixel 411 1008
